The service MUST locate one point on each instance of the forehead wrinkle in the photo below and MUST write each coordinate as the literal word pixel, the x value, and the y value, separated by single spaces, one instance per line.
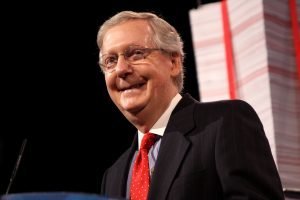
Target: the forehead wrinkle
pixel 117 39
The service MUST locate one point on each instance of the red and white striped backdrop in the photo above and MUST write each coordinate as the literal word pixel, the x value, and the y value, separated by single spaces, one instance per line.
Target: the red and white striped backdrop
pixel 250 50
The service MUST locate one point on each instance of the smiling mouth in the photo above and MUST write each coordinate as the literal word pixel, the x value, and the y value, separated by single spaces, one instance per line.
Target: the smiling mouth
pixel 136 86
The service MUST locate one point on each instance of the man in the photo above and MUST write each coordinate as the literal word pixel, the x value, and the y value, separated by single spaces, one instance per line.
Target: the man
pixel 215 150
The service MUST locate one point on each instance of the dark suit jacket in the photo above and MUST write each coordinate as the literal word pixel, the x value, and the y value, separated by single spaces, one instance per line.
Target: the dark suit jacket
pixel 215 150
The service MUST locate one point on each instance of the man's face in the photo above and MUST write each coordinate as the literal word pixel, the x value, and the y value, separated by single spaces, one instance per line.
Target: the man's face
pixel 145 86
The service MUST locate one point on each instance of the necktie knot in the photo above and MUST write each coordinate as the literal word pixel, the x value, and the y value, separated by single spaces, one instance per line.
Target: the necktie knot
pixel 148 140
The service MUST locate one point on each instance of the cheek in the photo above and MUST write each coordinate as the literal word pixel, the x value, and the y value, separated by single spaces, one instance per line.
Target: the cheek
pixel 163 72
pixel 110 86
pixel 108 81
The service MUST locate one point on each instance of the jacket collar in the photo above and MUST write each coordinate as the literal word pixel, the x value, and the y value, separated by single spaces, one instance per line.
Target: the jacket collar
pixel 173 148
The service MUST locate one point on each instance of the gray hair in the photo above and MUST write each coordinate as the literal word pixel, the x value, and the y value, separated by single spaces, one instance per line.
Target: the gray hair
pixel 164 35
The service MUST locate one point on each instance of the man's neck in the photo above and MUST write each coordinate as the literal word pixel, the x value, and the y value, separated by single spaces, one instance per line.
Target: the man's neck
pixel 146 122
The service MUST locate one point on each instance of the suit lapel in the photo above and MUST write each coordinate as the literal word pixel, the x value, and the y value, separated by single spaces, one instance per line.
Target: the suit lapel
pixel 172 151
pixel 122 168
pixel 173 148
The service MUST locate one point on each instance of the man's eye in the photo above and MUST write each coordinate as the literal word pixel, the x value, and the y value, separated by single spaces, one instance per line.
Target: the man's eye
pixel 136 54
pixel 110 60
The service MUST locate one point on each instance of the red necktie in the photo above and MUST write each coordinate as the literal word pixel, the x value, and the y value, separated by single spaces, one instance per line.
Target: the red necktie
pixel 140 175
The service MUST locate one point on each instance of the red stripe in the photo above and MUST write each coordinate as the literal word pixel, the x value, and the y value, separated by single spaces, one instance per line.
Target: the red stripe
pixel 285 160
pixel 296 33
pixel 281 71
pixel 261 71
pixel 247 23
pixel 228 50
pixel 280 47
pixel 251 76
pixel 277 20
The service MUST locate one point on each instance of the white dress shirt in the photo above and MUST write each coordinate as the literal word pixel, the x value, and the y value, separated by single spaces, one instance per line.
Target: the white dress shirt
pixel 158 129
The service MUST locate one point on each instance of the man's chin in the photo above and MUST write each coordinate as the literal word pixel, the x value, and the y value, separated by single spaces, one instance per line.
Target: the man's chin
pixel 132 109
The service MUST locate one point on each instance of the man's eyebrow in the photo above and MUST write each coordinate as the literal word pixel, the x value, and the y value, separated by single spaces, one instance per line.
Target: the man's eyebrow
pixel 125 49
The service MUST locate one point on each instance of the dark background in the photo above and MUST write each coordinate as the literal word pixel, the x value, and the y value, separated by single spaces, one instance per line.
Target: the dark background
pixel 54 94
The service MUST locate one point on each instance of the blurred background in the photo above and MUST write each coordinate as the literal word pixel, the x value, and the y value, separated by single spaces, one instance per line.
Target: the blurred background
pixel 54 95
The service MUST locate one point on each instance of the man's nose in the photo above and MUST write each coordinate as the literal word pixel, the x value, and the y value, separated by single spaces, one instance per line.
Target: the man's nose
pixel 122 65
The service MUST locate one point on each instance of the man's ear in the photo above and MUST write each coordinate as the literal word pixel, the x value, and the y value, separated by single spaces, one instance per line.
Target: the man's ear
pixel 176 64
